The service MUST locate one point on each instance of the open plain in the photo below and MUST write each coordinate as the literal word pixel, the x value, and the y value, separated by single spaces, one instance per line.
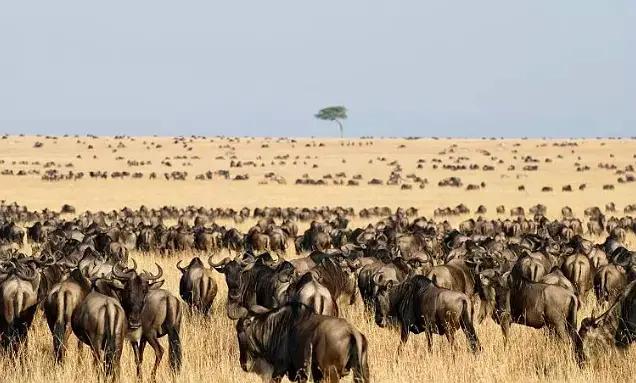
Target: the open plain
pixel 433 176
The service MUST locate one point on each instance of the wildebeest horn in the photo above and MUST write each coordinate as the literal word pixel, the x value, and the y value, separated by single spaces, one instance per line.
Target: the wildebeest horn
pixel 121 275
pixel 236 311
pixel 154 277
pixel 258 309
pixel 182 269
pixel 222 263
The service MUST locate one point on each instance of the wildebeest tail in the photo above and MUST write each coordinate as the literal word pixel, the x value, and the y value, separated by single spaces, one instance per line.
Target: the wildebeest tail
pixel 358 358
pixel 197 292
pixel 534 273
pixel 576 271
pixel 572 309
pixel 175 352
pixel 466 323
pixel 174 340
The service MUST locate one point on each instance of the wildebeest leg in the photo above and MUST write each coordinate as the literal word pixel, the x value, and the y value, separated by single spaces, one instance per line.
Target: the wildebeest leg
pixel 404 337
pixel 429 339
pixel 505 328
pixel 450 336
pixel 79 351
pixel 154 343
pixel 138 357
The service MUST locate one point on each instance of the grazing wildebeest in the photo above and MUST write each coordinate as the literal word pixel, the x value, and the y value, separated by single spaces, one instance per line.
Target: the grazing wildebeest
pixel 614 327
pixel 293 341
pixel 197 286
pixel 530 303
pixel 417 305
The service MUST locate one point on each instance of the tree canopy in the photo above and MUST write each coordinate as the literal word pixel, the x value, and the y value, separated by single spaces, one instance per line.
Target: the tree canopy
pixel 333 113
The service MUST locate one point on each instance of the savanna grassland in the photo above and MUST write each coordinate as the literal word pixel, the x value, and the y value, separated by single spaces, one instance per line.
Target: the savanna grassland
pixel 210 348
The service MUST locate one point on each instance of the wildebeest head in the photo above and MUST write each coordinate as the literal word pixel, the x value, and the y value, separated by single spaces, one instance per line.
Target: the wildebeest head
pixel 249 351
pixel 232 270
pixel 132 291
pixel 382 302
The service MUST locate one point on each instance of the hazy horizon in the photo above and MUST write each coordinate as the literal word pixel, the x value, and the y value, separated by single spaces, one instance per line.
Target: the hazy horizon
pixel 405 68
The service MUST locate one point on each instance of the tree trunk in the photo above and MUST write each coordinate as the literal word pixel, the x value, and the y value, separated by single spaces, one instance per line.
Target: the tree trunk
pixel 341 128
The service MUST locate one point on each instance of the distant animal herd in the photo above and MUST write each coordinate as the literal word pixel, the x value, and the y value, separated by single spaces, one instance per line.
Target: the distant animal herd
pixel 413 273
pixel 448 160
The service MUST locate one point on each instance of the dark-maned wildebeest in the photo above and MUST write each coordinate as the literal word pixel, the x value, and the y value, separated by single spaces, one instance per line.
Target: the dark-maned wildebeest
pixel 197 286
pixel 293 341
pixel 417 305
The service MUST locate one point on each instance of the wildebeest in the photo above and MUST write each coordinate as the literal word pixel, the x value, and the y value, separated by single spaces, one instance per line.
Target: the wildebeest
pixel 160 316
pixel 197 286
pixel 615 327
pixel 310 292
pixel 19 286
pixel 578 269
pixel 609 281
pixel 417 305
pixel 255 283
pixel 100 322
pixel 533 304
pixel 59 306
pixel 293 341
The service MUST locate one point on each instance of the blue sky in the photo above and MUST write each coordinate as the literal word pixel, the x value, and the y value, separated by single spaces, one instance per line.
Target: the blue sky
pixel 403 68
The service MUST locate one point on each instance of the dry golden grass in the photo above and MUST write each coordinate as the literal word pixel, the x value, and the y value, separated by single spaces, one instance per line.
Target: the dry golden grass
pixel 210 348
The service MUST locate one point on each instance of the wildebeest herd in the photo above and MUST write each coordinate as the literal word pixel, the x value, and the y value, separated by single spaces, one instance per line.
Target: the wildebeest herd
pixel 411 273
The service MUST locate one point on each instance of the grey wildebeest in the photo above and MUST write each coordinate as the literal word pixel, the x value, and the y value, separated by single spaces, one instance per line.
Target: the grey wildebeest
pixel 417 306
pixel 293 341
pixel 197 286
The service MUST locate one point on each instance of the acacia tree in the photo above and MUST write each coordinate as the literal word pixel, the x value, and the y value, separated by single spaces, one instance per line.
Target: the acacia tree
pixel 333 113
